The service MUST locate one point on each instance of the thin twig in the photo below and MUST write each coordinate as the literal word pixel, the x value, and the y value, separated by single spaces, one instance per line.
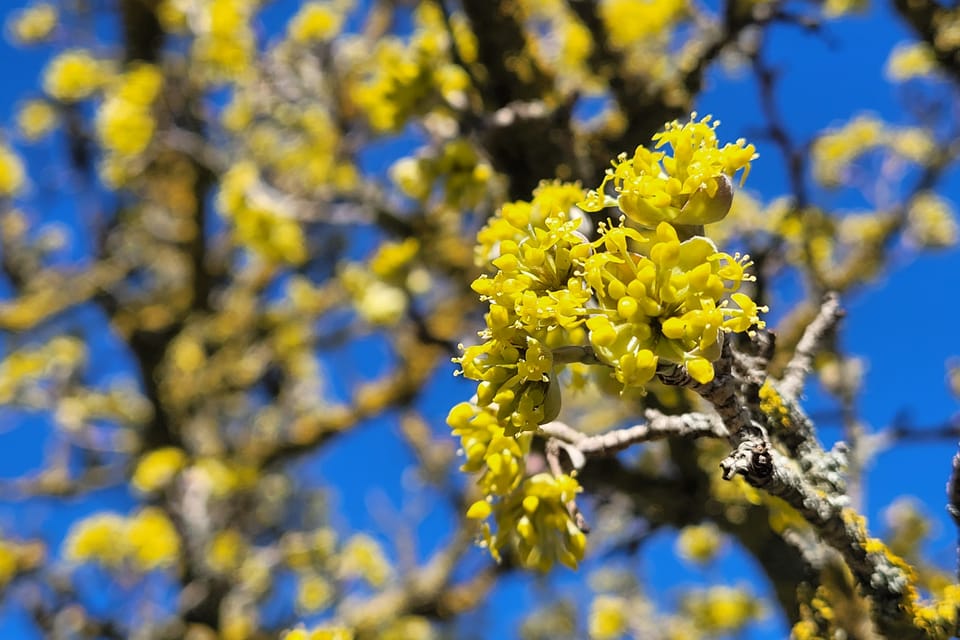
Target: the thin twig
pixel 657 427
pixel 553 460
pixel 799 366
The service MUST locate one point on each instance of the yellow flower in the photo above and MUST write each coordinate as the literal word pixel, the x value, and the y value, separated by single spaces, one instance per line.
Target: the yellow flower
pixel 225 44
pixel 608 617
pixel 9 562
pixel 313 593
pixel 910 60
pixel 34 24
pixel 534 519
pixel 257 222
pixel 669 306
pixel 125 124
pixel 157 468
pixel 362 557
pixel 123 127
pixel 690 187
pixel 630 22
pixel 721 609
pixel 99 538
pixel 698 543
pixel 35 119
pixel 932 222
pixel 73 75
pixel 12 174
pixel 315 22
pixel 225 552
pixel 152 540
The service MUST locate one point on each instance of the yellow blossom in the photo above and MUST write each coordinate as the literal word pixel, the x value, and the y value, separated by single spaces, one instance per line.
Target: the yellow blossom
pixel 931 221
pixel 835 8
pixel 35 23
pixel 125 124
pixel 9 562
pixel 12 174
pixel 630 22
pixel 721 609
pixel 256 220
pixel 225 551
pixel 690 187
pixel 313 593
pixel 73 75
pixel 315 21
pixel 363 557
pixel 608 617
pixel 35 119
pixel 151 540
pixel 698 543
pixel 535 520
pixel 99 538
pixel 910 60
pixel 225 44
pixel 157 468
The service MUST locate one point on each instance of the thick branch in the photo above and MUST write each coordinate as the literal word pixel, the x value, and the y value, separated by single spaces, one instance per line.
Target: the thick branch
pixel 881 576
pixel 953 500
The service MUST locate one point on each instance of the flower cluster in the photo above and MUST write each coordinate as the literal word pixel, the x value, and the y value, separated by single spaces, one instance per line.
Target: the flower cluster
pixel 74 75
pixel 633 21
pixel 400 79
pixel 34 24
pixel 536 521
pixel 316 22
pixel 668 305
pixel 691 187
pixel 498 458
pixel 464 177
pixel 530 513
pixel 35 119
pixel 225 43
pixel 258 222
pixel 125 120
pixel 627 300
pixel 143 542
pixel 537 302
pixel 12 173
pixel 910 60
pixel 835 151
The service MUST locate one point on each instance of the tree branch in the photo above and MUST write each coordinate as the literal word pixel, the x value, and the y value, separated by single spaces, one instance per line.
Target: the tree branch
pixel 791 384
pixel 953 501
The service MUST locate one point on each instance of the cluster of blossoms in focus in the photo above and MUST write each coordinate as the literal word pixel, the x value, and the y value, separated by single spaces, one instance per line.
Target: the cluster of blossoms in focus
pixel 647 291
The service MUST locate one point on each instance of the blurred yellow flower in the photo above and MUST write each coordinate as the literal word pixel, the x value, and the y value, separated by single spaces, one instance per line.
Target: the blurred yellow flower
pixel 157 468
pixel 12 174
pixel 34 24
pixel 35 119
pixel 73 75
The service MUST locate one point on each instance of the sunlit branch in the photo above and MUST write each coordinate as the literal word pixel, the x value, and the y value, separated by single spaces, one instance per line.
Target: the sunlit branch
pixel 791 384
pixel 657 427
pixel 953 500
pixel 882 576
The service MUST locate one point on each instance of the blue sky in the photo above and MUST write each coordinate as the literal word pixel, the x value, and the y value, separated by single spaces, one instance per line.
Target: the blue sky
pixel 824 82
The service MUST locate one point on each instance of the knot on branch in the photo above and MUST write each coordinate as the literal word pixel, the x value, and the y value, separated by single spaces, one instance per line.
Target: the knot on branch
pixel 751 459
